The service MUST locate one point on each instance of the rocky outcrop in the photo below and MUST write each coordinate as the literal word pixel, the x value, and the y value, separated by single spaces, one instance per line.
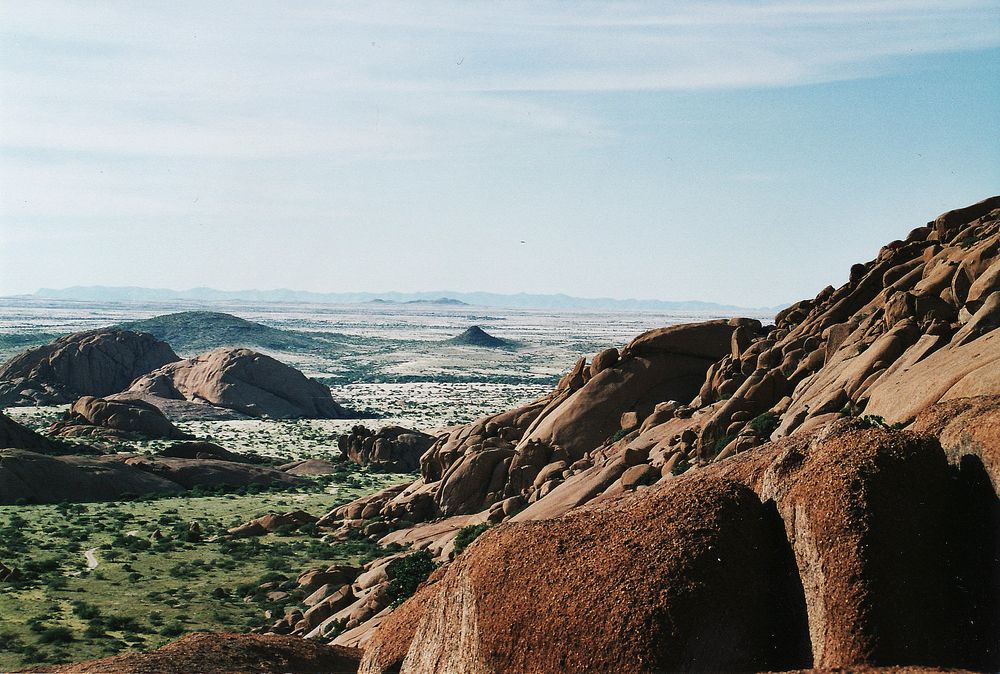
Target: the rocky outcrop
pixel 242 380
pixel 101 418
pixel 392 449
pixel 272 522
pixel 862 513
pixel 806 553
pixel 200 449
pixel 222 653
pixel 15 436
pixel 29 477
pixel 95 363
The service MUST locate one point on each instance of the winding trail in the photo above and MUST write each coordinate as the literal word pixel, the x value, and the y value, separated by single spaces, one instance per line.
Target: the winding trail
pixel 91 558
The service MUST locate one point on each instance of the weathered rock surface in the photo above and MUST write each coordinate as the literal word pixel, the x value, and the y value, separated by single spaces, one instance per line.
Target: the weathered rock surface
pixel 95 363
pixel 15 436
pixel 242 380
pixel 36 478
pixel 393 448
pixel 222 653
pixel 833 531
pixel 101 418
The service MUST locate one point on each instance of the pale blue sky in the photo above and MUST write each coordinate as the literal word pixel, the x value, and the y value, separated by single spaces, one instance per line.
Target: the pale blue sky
pixel 739 152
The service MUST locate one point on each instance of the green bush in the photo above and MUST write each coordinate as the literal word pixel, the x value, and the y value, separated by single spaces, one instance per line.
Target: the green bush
pixel 680 467
pixel 468 534
pixel 764 424
pixel 406 574
pixel 55 635
pixel 622 433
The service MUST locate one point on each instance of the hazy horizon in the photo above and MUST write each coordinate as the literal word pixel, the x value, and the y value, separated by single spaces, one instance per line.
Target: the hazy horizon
pixel 738 153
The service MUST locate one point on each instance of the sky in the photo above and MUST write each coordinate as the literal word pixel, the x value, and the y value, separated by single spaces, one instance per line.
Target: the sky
pixel 738 152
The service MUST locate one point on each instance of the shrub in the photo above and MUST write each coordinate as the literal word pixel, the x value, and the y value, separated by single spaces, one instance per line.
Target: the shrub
pixel 680 467
pixel 622 433
pixel 721 443
pixel 468 534
pixel 764 424
pixel 406 574
pixel 875 421
pixel 55 635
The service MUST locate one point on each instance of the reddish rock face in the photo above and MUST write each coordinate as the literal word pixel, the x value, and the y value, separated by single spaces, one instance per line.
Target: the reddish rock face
pixel 392 448
pixel 98 417
pixel 242 380
pixel 96 363
pixel 222 653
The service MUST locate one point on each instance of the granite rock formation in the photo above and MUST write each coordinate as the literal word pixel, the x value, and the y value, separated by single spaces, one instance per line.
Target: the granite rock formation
pixel 102 418
pixel 95 363
pixel 241 380
pixel 392 449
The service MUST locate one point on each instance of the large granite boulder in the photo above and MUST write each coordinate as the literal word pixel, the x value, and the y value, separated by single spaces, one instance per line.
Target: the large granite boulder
pixel 95 363
pixel 393 448
pixel 242 380
pixel 834 549
pixel 101 418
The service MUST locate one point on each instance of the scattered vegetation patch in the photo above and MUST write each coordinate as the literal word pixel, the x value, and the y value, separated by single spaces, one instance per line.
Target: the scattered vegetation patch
pixel 468 534
pixel 765 424
pixel 875 421
pixel 622 433
pixel 406 574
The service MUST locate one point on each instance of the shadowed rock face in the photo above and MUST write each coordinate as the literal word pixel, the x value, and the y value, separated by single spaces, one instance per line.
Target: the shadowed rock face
pixel 15 436
pixel 222 653
pixel 31 477
pixel 97 417
pixel 392 448
pixel 242 380
pixel 96 363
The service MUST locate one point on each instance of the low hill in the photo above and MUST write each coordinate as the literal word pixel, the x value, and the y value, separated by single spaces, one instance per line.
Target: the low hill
pixel 198 331
pixel 476 336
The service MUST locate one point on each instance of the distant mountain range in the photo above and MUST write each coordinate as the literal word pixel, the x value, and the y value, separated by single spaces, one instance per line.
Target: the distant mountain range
pixel 448 298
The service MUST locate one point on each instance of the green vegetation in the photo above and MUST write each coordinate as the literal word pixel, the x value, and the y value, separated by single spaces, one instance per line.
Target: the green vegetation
pixel 680 467
pixel 468 534
pixel 721 443
pixel 622 433
pixel 765 424
pixel 148 590
pixel 407 573
pixel 197 331
pixel 875 421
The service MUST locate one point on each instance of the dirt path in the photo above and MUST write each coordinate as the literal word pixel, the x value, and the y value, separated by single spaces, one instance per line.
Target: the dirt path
pixel 91 558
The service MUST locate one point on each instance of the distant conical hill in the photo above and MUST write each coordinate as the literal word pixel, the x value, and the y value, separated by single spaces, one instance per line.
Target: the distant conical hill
pixel 476 336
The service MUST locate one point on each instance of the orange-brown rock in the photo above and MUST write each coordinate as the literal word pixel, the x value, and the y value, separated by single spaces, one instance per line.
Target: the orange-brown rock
pixel 95 363
pixel 392 448
pixel 98 417
pixel 242 380
pixel 225 653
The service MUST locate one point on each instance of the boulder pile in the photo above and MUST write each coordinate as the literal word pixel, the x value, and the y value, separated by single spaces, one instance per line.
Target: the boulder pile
pixel 793 519
pixel 392 449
